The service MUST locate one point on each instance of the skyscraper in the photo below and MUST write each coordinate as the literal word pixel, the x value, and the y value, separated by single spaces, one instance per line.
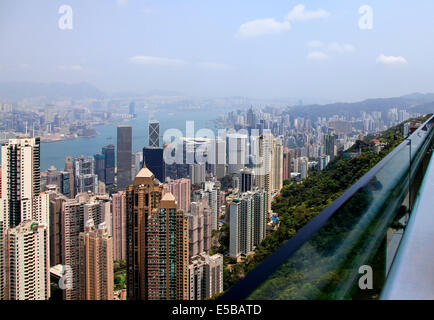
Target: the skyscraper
pixel 277 166
pixel 124 156
pixel 28 262
pixel 181 190
pixel 20 179
pixel 154 161
pixel 157 242
pixel 109 164
pixel 84 173
pixel 247 222
pixel 154 133
pixel 119 225
pixel 206 276
pixel 100 166
pixel 96 263
pixel 199 228
pixel 72 224
pixel 246 180
pixel 69 168
pixel 197 173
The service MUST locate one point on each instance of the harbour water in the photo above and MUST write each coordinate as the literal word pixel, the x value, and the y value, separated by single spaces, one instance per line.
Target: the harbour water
pixel 54 153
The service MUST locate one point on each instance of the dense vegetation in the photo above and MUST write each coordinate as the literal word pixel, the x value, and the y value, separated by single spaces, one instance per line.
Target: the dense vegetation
pixel 300 203
pixel 120 274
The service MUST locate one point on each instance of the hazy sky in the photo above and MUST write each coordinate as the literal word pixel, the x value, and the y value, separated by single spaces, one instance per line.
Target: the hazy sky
pixel 256 48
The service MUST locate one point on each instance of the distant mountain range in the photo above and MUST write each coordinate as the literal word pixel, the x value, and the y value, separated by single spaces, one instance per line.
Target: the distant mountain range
pixel 14 91
pixel 415 102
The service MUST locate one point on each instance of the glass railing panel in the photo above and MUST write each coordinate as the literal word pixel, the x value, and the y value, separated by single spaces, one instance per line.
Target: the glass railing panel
pixel 327 266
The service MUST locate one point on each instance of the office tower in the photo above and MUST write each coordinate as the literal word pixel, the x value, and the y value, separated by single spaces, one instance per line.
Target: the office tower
pixel 136 163
pixel 20 179
pixel 84 172
pixel 157 242
pixel 246 178
pixel 197 173
pixel 247 222
pixel 277 166
pixel 109 164
pixel 3 288
pixel 96 263
pixel 124 156
pixel 72 224
pixel 119 226
pixel 69 168
pixel 154 133
pixel 181 190
pixel 206 276
pixel 153 158
pixel 56 201
pixel 28 265
pixel 100 166
pixel 199 228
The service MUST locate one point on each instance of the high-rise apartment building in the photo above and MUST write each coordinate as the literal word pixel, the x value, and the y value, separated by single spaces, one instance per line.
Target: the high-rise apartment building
pixel 157 242
pixel 124 156
pixel 199 228
pixel 277 166
pixel 72 224
pixel 119 225
pixel 154 133
pixel 212 191
pixel 205 276
pixel 198 173
pixel 28 271
pixel 246 180
pixel 181 190
pixel 20 179
pixel 69 168
pixel 95 263
pixel 247 222
pixel 56 201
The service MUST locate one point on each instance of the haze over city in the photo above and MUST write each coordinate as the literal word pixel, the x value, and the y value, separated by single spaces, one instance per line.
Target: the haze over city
pixel 313 51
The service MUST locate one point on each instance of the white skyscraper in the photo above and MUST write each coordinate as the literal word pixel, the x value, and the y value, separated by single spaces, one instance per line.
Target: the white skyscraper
pixel 28 271
pixel 277 165
pixel 21 182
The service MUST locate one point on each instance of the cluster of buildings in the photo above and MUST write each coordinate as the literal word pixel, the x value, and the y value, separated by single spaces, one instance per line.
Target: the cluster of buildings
pixel 72 225
pixel 65 228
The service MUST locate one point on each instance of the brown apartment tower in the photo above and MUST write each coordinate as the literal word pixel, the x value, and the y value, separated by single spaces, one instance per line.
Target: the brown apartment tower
pixel 157 242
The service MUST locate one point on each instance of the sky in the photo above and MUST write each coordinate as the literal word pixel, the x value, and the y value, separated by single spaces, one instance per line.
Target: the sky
pixel 312 50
